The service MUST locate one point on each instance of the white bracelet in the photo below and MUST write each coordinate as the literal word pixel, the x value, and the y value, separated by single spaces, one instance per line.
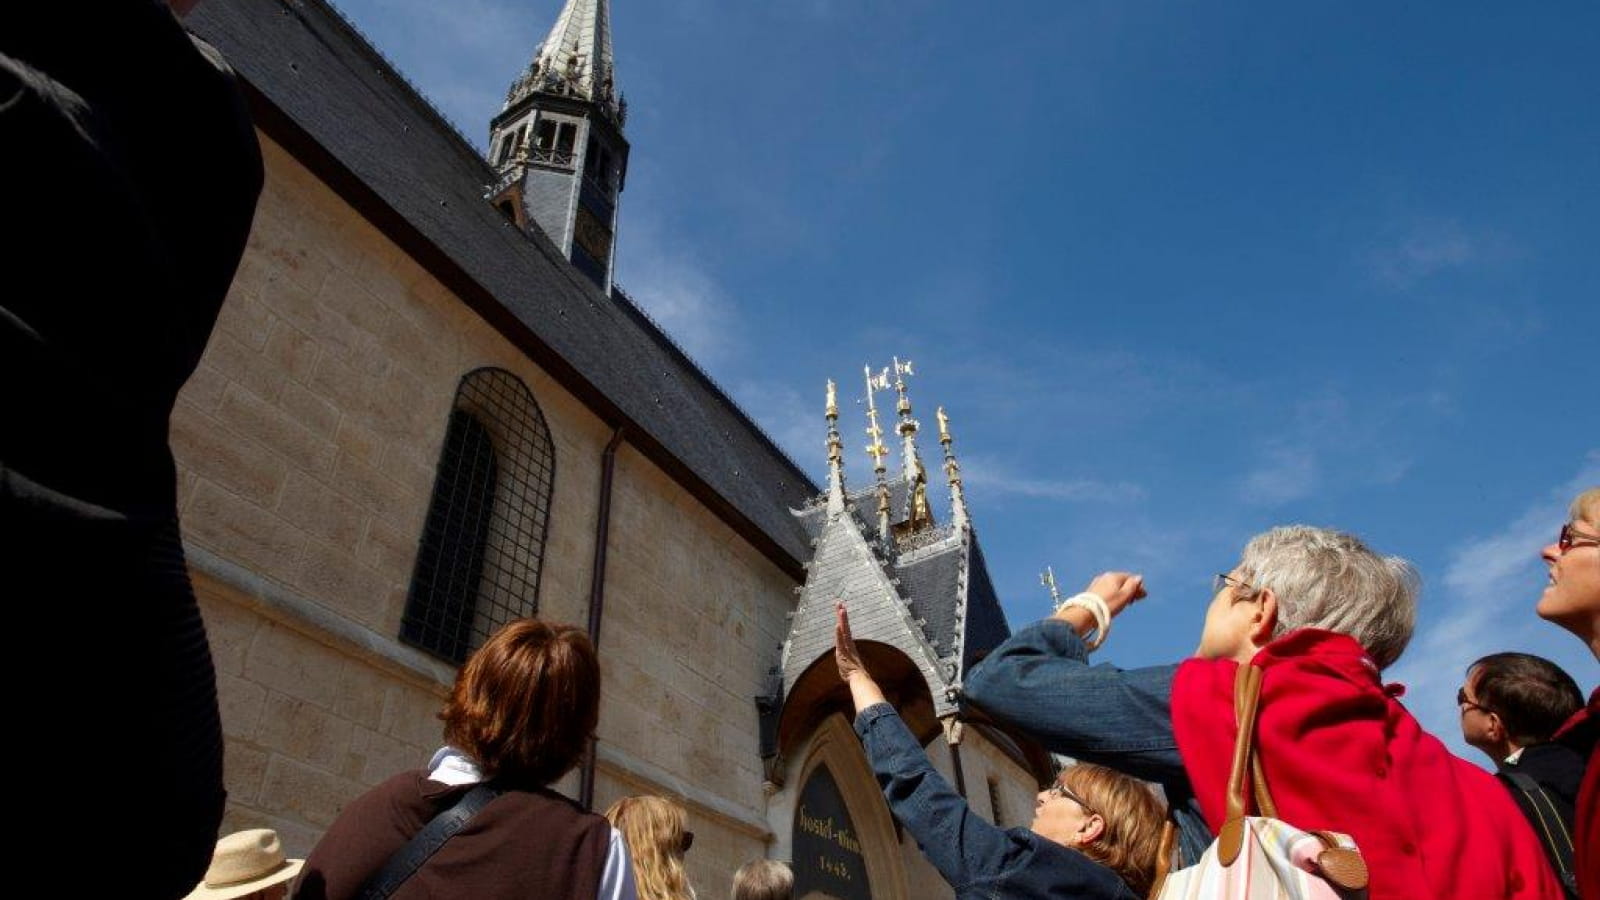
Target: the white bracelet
pixel 1096 606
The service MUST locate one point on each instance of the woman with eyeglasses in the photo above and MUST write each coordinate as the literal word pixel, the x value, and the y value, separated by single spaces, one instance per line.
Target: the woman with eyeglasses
pixel 657 837
pixel 1571 599
pixel 1095 833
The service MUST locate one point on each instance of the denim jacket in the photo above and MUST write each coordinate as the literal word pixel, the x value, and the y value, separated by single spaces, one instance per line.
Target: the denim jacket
pixel 980 861
pixel 1040 681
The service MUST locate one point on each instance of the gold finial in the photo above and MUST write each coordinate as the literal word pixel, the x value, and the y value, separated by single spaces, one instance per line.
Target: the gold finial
pixel 944 425
pixel 833 401
pixel 876 449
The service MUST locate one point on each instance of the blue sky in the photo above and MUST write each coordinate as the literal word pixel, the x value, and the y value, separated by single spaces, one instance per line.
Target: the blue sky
pixel 1178 271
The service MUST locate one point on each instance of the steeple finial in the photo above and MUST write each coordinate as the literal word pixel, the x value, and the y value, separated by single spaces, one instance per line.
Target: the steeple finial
pixel 876 449
pixel 917 514
pixel 575 59
pixel 952 471
pixel 836 491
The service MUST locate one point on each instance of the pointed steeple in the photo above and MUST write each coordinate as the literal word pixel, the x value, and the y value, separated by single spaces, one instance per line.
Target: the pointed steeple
pixel 836 492
pixel 575 60
pixel 558 146
pixel 878 451
pixel 952 471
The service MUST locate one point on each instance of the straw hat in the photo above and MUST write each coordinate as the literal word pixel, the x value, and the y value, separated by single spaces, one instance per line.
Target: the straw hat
pixel 245 862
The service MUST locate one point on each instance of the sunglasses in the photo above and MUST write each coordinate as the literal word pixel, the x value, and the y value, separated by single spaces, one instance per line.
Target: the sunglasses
pixel 1571 537
pixel 1061 790
pixel 688 841
pixel 1464 701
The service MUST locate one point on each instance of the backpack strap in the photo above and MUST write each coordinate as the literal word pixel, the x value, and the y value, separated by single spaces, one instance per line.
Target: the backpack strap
pixel 408 859
pixel 1550 825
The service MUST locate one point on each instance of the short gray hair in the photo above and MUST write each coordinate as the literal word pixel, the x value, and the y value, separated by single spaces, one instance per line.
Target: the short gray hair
pixel 1332 580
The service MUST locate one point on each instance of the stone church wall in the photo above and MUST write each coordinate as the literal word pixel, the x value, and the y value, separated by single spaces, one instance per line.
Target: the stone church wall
pixel 306 444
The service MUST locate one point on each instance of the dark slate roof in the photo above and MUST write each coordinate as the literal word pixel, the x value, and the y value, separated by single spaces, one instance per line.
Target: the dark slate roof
pixel 846 567
pixel 939 583
pixel 864 500
pixel 412 173
pixel 932 586
pixel 986 622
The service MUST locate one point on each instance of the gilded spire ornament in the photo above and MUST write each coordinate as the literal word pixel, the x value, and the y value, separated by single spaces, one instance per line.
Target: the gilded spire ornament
pixel 836 490
pixel 877 450
pixel 952 471
pixel 918 516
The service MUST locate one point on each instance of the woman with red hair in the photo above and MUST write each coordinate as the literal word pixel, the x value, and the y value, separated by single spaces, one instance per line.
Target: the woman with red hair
pixel 521 712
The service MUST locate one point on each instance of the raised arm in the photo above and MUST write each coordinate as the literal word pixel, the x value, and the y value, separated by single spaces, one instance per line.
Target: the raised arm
pixel 1040 681
pixel 965 848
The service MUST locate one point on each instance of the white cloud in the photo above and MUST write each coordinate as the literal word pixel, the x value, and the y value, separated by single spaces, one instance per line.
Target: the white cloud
pixel 1410 253
pixel 670 282
pixel 1287 472
pixel 1484 604
pixel 793 420
pixel 994 477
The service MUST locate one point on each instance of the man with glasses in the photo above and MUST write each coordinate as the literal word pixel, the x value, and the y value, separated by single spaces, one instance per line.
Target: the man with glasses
pixel 1512 705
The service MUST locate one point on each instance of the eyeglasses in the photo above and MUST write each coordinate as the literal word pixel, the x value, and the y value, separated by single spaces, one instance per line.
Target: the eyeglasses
pixel 1466 702
pixel 1061 790
pixel 1223 580
pixel 1571 537
pixel 688 841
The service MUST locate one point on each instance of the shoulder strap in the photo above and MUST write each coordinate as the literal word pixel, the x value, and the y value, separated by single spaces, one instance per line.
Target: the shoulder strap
pixel 408 859
pixel 1246 694
pixel 1548 822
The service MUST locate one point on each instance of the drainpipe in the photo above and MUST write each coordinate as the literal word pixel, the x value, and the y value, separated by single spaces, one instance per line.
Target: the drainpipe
pixel 597 590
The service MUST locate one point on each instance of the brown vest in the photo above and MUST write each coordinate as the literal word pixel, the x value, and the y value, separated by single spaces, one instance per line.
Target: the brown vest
pixel 524 844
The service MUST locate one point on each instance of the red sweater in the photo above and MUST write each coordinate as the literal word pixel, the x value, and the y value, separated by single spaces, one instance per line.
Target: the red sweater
pixel 1340 753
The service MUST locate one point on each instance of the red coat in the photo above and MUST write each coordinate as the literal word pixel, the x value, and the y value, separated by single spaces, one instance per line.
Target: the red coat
pixel 1580 733
pixel 1340 753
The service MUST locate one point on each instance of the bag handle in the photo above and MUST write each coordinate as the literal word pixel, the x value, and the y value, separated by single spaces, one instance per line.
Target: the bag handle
pixel 1246 698
pixel 1341 865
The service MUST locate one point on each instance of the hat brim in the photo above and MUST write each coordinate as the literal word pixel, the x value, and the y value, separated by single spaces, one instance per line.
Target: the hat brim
pixel 290 869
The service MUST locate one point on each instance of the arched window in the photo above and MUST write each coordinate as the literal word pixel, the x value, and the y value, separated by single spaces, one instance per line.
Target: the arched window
pixel 482 545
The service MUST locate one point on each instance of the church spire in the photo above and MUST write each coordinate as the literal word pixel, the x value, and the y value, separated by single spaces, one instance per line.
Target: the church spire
pixel 836 492
pixel 952 471
pixel 575 60
pixel 558 146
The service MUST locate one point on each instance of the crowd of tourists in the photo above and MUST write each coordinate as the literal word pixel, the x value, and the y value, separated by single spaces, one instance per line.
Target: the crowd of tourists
pixel 1278 740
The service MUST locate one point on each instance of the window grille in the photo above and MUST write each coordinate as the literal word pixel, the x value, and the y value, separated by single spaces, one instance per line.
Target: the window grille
pixel 482 544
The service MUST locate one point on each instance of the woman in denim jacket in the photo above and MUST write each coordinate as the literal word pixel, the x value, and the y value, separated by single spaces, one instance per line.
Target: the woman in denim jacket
pixel 1094 834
